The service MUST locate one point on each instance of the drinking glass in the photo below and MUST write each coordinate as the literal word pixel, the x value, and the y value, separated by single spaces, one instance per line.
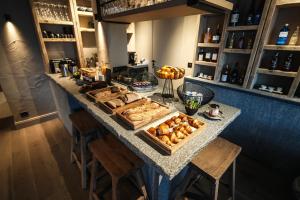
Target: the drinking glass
pixel 66 13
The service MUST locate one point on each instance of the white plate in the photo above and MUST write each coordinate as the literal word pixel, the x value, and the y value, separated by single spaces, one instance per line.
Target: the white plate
pixel 219 117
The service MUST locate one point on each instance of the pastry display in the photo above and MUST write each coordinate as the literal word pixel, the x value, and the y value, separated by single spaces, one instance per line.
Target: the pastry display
pixel 142 113
pixel 174 131
pixel 107 94
pixel 169 72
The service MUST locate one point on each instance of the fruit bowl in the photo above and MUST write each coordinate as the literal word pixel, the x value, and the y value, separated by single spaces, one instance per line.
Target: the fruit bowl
pixel 169 72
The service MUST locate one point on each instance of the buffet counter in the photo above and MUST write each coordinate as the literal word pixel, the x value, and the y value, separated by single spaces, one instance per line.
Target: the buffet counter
pixel 164 167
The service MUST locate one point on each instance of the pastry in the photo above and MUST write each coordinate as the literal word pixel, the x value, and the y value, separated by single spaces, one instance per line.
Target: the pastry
pixel 163 129
pixel 114 103
pixel 130 97
pixel 152 130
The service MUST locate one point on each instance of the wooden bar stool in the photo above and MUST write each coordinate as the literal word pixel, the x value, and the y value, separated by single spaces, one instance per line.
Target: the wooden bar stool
pixel 123 167
pixel 214 160
pixel 84 129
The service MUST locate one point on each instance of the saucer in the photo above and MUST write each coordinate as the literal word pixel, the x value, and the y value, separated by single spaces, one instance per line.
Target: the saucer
pixel 219 117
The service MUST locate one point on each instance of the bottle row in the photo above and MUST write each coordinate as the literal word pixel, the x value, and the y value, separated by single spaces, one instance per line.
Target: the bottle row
pixel 64 66
pixel 286 65
pixel 208 56
pixel 210 37
pixel 241 40
pixel 284 35
pixel 232 75
pixel 67 33
pixel 253 17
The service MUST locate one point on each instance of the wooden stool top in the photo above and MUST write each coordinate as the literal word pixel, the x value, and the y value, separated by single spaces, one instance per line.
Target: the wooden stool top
pixel 117 159
pixel 84 122
pixel 216 157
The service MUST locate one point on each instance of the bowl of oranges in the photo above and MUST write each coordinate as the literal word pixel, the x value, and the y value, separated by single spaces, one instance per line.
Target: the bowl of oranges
pixel 169 72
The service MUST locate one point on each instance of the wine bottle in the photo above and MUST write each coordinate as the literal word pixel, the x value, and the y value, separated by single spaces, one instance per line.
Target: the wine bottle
pixel 251 14
pixel 283 35
pixel 235 14
pixel 234 74
pixel 274 62
pixel 225 74
pixel 250 41
pixel 207 36
pixel 241 41
pixel 201 55
pixel 288 62
pixel 231 41
pixel 216 37
pixel 207 57
pixel 258 13
pixel 295 37
pixel 214 56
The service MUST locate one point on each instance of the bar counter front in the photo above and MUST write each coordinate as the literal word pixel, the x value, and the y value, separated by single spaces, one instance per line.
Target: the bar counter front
pixel 161 171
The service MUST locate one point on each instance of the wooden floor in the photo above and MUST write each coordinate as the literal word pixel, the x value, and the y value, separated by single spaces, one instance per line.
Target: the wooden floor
pixel 35 165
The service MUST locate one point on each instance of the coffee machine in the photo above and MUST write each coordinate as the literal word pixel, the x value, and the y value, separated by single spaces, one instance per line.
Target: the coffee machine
pixel 132 57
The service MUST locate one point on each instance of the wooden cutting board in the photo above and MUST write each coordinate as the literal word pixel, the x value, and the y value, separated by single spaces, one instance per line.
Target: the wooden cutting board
pixel 139 124
pixel 163 146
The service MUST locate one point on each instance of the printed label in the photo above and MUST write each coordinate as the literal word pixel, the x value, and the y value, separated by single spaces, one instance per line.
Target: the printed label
pixel 207 55
pixel 200 57
pixel 214 56
pixel 235 18
pixel 216 38
pixel 283 34
pixel 224 78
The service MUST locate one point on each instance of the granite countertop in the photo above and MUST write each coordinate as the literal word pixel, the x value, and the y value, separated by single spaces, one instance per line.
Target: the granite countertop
pixel 166 165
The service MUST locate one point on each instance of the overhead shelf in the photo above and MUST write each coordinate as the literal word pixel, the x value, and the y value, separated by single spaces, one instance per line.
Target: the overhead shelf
pixel 59 39
pixel 238 51
pixel 282 47
pixel 85 14
pixel 210 64
pixel 87 29
pixel 276 72
pixel 42 21
pixel 242 28
pixel 288 3
pixel 171 8
pixel 209 45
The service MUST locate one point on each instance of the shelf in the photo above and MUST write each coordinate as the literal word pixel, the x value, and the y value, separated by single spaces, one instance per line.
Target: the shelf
pixel 209 45
pixel 174 8
pixel 59 39
pixel 70 23
pixel 282 47
pixel 210 64
pixel 238 51
pixel 242 28
pixel 277 72
pixel 240 88
pixel 85 14
pixel 288 3
pixel 87 30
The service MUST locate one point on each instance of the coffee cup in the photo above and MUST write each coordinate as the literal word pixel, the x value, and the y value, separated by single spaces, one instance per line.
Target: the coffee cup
pixel 214 110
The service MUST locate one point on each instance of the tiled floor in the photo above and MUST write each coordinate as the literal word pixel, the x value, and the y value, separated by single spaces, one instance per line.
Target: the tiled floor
pixel 35 164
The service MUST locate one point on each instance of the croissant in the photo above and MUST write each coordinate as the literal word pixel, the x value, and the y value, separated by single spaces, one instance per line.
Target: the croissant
pixel 174 139
pixel 180 135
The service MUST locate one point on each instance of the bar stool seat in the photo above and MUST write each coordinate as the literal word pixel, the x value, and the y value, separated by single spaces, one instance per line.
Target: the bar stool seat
pixel 215 159
pixel 85 129
pixel 120 163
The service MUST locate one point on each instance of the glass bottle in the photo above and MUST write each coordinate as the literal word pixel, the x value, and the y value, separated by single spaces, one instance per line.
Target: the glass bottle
pixel 258 13
pixel 283 35
pixel 216 37
pixel 241 41
pixel 288 62
pixel 207 57
pixel 214 56
pixel 234 74
pixel 295 37
pixel 250 41
pixel 201 55
pixel 225 74
pixel 207 36
pixel 274 62
pixel 251 14
pixel 231 41
pixel 235 15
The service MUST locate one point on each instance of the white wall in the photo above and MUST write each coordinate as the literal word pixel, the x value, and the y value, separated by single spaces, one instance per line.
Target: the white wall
pixel 169 41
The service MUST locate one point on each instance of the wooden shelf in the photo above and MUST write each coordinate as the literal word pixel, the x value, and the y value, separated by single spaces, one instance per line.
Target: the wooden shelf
pixel 70 23
pixel 59 39
pixel 276 72
pixel 288 3
pixel 209 45
pixel 174 8
pixel 282 47
pixel 234 86
pixel 238 51
pixel 85 14
pixel 270 93
pixel 87 29
pixel 210 64
pixel 242 28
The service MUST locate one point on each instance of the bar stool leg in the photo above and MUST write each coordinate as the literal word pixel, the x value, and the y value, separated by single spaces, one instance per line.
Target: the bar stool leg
pixel 114 184
pixel 141 184
pixel 233 179
pixel 83 162
pixel 72 144
pixel 216 190
pixel 93 178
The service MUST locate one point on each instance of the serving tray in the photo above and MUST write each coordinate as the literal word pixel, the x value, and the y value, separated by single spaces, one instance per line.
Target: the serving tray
pixel 162 145
pixel 92 94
